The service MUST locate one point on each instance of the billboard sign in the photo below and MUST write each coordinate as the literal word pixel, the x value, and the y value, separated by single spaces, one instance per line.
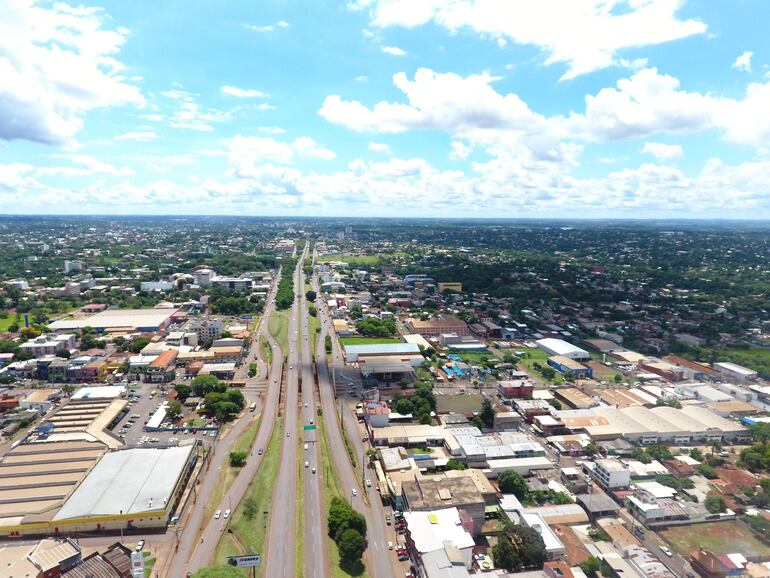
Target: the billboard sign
pixel 137 565
pixel 247 561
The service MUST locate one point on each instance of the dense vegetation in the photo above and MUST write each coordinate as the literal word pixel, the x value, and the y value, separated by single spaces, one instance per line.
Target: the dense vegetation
pixel 284 296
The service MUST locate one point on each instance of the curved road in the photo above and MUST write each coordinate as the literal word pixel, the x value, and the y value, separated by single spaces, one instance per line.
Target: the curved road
pixel 198 538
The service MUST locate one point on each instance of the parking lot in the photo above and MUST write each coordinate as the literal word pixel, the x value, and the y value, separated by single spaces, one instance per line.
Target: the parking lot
pixel 142 404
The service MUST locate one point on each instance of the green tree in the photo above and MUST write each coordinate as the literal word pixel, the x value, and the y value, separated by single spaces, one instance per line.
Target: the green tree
pixel 455 465
pixel 715 504
pixel 707 471
pixel 237 459
pixel 138 343
pixel 183 391
pixel 511 482
pixel 505 555
pixel 174 409
pixel 351 545
pixel 250 508
pixel 591 566
pixel 310 295
pixel 487 412
pixel 530 546
pixel 618 378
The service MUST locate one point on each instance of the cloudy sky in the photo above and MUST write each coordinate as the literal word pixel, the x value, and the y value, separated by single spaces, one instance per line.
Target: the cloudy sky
pixel 481 108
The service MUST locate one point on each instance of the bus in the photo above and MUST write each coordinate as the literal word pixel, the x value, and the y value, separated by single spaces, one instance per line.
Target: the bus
pixel 253 406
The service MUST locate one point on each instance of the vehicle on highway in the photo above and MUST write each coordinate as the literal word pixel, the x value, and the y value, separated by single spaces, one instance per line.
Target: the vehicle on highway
pixel 253 406
pixel 387 519
pixel 355 492
pixel 666 551
pixel 217 514
pixel 139 545
pixel 226 514
pixel 368 483
pixel 313 469
pixel 390 545
pixel 288 434
pixel 306 446
pixel 260 451
pixel 307 464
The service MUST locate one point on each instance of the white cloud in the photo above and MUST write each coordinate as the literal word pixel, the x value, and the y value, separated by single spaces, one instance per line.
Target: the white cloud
pixel 264 107
pixel 743 62
pixel 271 129
pixel 243 92
pixel 662 151
pixel 380 147
pixel 246 152
pixel 189 114
pixel 153 117
pixel 393 50
pixel 460 150
pixel 361 78
pixel 267 28
pixel 585 35
pixel 56 64
pixel 137 135
pixel 85 166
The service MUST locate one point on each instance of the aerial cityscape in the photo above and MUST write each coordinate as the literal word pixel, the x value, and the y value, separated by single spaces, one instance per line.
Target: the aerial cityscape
pixel 385 289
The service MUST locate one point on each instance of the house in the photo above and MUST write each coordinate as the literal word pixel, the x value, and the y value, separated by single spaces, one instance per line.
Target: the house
pixel 162 368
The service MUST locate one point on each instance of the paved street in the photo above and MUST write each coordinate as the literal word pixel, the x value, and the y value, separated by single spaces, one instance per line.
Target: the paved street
pixel 380 559
pixel 281 539
pixel 197 538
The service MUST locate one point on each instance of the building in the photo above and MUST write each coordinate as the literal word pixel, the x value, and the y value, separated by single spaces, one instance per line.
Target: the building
pixel 207 329
pixel 439 542
pixel 664 369
pixel 162 368
pixel 575 398
pixel 554 346
pixel 612 474
pixel 734 372
pixel 203 277
pixel 47 558
pixel 72 267
pixel 568 366
pixel 514 389
pixel 40 400
pixel 232 283
pixel 529 408
pixel 437 326
pixel 405 350
pixel 125 320
pixel 49 344
pixel 603 345
pixel 456 287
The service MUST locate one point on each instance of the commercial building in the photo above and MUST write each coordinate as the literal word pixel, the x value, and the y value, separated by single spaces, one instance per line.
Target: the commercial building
pixel 439 542
pixel 232 283
pixel 162 368
pixel 734 372
pixel 406 350
pixel 514 389
pixel 568 366
pixel 49 344
pixel 612 474
pixel 423 494
pixel 128 320
pixel 664 369
pixel 40 400
pixel 554 346
pixel 456 287
pixel 207 329
pixel 575 398
pixel 47 558
pixel 437 326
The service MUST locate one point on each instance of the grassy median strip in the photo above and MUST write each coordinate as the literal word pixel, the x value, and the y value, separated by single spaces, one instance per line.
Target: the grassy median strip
pixel 313 328
pixel 266 351
pixel 279 328
pixel 299 528
pixel 228 473
pixel 332 490
pixel 250 519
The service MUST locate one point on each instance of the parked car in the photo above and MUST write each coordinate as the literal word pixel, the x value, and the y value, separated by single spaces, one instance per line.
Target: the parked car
pixel 139 545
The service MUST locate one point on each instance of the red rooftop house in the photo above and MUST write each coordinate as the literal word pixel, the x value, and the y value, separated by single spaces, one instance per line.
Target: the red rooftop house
pixel 163 368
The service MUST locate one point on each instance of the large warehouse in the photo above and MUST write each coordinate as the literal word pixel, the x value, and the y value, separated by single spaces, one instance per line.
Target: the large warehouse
pixel 122 319
pixel 662 424
pixel 563 348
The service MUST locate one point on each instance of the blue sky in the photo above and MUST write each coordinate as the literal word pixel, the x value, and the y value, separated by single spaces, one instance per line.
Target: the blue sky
pixel 548 108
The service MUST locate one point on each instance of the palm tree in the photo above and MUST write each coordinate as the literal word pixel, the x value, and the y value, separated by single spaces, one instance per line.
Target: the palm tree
pixel 715 446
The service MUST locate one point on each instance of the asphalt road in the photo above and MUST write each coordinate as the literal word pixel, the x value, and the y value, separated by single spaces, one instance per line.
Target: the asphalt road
pixel 380 559
pixel 281 541
pixel 197 538
pixel 314 523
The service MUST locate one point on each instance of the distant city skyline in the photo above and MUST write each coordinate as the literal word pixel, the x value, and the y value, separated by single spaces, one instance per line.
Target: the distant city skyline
pixel 387 108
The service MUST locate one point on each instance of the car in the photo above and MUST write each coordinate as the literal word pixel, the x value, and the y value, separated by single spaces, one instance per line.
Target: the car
pixel 217 514
pixel 355 492
pixel 314 469
pixel 139 545
pixel 226 514
pixel 368 483
pixel 311 421
pixel 403 557
pixel 288 434
pixel 260 452
pixel 390 545
pixel 305 404
pixel 365 439
pixel 666 551
pixel 387 519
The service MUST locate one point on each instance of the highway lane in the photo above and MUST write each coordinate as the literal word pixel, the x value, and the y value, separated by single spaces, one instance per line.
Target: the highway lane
pixel 281 540
pixel 197 538
pixel 380 559
pixel 314 523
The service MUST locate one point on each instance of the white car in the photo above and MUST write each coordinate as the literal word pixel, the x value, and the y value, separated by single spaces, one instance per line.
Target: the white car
pixel 368 483
pixel 666 551
pixel 217 514
pixel 139 545
pixel 227 513
pixel 355 492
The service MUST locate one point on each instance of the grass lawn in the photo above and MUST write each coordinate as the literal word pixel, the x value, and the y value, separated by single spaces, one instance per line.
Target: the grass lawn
pixel 314 326
pixel 719 537
pixel 228 474
pixel 536 355
pixel 478 357
pixel 266 351
pixel 350 259
pixel 279 328
pixel 367 340
pixel 195 422
pixel 10 320
pixel 332 490
pixel 252 532
pixel 463 403
pixel 756 359
pixel 149 562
